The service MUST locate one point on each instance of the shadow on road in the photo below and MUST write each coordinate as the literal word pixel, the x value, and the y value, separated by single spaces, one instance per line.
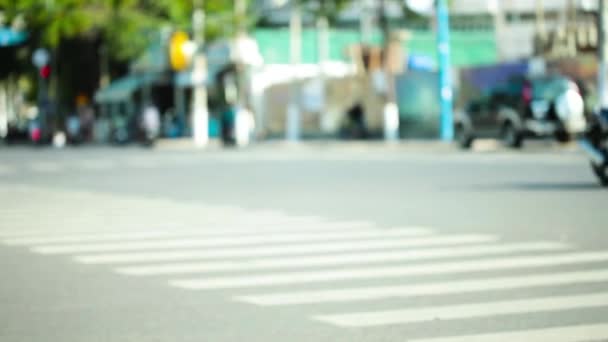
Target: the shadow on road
pixel 541 186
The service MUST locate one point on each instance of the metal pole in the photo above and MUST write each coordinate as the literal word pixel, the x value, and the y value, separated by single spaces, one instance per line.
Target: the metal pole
pixel 243 118
pixel 366 19
pixel 541 33
pixel 198 23
pixel 180 108
pixel 42 101
pixel 323 39
pixel 323 51
pixel 603 55
pixel 445 72
pixel 200 112
pixel 499 27
pixel 571 12
pixel 4 100
pixel 540 18
pixel 240 9
pixel 293 109
pixel 383 23
pixel 104 69
pixel 391 110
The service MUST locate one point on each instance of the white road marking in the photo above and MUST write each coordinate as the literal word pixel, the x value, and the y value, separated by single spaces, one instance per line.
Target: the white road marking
pixel 209 228
pixel 340 259
pixel 426 289
pixel 231 231
pixel 575 333
pixel 387 271
pixel 248 252
pixel 203 214
pixel 220 242
pixel 466 311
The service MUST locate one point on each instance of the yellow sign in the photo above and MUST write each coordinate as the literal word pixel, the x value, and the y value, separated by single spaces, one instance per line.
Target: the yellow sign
pixel 177 53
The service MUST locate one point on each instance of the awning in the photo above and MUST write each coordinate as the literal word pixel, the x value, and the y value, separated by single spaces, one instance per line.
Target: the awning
pixel 154 59
pixel 187 78
pixel 121 89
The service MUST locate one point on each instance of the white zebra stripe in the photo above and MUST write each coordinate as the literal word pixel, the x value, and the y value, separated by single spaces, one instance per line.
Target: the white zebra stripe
pixel 466 311
pixel 427 289
pixel 192 241
pixel 387 271
pixel 248 252
pixel 339 259
pixel 208 228
pixel 233 232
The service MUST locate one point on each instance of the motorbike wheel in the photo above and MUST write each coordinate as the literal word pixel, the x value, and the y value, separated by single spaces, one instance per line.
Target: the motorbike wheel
pixel 562 137
pixel 148 142
pixel 463 137
pixel 601 171
pixel 511 137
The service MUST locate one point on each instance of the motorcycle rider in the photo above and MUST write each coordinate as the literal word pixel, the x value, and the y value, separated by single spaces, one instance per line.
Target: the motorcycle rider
pixel 595 144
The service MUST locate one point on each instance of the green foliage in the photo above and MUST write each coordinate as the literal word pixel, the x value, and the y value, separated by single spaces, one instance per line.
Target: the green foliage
pixel 126 26
pixel 53 20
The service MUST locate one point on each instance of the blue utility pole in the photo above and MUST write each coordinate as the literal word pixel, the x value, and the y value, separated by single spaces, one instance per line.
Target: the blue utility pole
pixel 445 72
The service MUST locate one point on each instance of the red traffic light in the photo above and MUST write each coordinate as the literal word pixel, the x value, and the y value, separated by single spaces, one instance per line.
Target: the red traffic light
pixel 45 71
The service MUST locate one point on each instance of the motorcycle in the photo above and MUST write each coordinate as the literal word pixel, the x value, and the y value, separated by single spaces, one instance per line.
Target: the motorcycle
pixel 595 145
pixel 150 126
pixel 120 131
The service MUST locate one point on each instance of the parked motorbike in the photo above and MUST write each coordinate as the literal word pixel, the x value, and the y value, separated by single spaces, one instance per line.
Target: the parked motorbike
pixel 595 145
pixel 120 131
pixel 35 132
pixel 150 126
pixel 74 136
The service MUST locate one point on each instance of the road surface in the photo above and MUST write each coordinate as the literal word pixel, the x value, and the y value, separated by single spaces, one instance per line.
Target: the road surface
pixel 301 243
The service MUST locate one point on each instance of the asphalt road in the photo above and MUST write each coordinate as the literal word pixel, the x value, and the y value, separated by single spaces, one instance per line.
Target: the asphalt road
pixel 302 243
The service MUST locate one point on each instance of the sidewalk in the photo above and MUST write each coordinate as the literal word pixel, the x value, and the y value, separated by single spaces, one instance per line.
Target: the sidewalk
pixel 314 144
pixel 409 145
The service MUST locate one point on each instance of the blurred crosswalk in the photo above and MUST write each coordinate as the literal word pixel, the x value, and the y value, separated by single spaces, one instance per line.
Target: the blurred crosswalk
pixel 271 260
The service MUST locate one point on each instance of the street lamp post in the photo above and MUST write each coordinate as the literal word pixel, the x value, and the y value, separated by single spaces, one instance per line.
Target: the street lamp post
pixel 240 10
pixel 323 57
pixel 365 21
pixel 293 108
pixel 445 75
pixel 603 55
pixel 200 112
pixel 41 59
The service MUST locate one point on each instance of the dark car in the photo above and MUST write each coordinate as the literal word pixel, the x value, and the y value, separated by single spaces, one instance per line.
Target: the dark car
pixel 547 106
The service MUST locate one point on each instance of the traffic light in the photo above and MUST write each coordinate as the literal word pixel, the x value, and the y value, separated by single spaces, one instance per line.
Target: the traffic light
pixel 45 71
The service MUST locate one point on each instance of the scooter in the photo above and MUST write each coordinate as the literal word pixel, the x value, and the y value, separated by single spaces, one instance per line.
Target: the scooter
pixel 120 134
pixel 595 145
pixel 150 126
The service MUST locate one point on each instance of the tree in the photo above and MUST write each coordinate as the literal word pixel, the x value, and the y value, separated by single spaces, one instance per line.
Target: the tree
pixel 126 26
pixel 54 20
